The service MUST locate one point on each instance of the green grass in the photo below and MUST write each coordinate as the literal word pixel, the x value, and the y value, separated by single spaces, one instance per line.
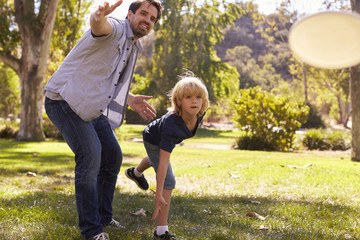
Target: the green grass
pixel 215 189
pixel 205 136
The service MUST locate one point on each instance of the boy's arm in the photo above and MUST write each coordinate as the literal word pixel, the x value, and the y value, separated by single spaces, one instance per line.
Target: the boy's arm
pixel 160 179
pixel 99 23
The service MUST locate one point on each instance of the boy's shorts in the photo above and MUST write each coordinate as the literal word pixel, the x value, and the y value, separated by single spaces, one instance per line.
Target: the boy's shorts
pixel 153 152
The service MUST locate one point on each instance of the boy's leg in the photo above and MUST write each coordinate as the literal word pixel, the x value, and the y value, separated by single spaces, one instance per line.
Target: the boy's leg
pixel 164 211
pixel 170 182
pixel 162 230
pixel 143 165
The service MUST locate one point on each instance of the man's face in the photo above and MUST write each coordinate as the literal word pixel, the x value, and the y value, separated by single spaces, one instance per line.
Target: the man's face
pixel 143 20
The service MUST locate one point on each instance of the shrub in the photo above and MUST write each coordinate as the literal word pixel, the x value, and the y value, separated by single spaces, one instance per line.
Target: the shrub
pixel 327 140
pixel 8 132
pixel 314 140
pixel 314 119
pixel 269 120
pixel 250 142
pixel 50 130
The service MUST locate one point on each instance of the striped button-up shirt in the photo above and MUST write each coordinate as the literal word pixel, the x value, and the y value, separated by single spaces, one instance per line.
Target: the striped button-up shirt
pixel 95 77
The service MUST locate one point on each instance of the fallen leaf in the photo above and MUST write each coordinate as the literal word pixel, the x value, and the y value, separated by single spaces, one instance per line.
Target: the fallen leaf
pixel 262 227
pixel 233 175
pixel 294 166
pixel 209 166
pixel 31 174
pixel 141 212
pixel 255 215
pixel 255 202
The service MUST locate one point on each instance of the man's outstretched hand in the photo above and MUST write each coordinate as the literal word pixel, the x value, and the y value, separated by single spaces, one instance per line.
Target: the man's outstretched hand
pixel 139 104
pixel 105 9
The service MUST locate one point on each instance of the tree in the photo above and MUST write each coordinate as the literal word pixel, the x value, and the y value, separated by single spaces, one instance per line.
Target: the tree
pixel 186 40
pixel 34 25
pixel 335 85
pixel 355 99
pixel 27 27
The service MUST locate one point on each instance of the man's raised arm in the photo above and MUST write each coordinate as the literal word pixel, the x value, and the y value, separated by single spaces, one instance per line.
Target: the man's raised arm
pixel 99 23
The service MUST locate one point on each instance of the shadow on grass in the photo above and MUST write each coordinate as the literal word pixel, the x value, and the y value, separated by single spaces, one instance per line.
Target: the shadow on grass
pixel 53 216
pixel 213 133
pixel 14 160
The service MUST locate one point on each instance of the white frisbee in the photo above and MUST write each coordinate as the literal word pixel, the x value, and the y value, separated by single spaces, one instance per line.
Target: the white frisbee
pixel 327 39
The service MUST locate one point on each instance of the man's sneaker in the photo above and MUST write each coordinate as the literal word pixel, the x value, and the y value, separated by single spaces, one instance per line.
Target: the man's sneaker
pixel 114 223
pixel 140 181
pixel 166 235
pixel 101 236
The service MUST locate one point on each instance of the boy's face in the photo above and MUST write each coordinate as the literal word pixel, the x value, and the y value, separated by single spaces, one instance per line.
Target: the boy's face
pixel 191 105
pixel 143 20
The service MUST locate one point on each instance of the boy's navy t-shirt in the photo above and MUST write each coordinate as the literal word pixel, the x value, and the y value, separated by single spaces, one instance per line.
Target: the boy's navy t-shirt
pixel 168 131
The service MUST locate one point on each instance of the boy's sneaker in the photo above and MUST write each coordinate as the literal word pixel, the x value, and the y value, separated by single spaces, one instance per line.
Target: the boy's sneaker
pixel 166 235
pixel 114 223
pixel 101 236
pixel 140 181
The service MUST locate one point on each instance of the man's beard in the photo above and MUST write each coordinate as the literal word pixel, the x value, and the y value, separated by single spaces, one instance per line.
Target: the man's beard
pixel 138 31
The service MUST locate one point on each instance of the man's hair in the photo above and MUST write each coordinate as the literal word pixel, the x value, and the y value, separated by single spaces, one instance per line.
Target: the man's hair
pixel 137 4
pixel 188 85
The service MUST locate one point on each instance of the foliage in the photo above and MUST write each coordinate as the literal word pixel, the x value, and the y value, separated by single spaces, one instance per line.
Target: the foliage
pixel 68 28
pixel 327 140
pixel 220 112
pixel 332 89
pixel 10 36
pixel 269 118
pixel 142 86
pixel 50 130
pixel 9 92
pixel 26 30
pixel 314 119
pixel 9 129
pixel 185 40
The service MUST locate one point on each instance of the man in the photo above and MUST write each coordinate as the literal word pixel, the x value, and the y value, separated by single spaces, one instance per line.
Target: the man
pixel 86 99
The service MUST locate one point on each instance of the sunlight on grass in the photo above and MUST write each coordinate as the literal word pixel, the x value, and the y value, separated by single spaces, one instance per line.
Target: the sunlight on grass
pixel 215 189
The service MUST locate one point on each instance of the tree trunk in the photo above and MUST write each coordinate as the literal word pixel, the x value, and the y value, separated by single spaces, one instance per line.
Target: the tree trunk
pixel 355 100
pixel 31 124
pixel 35 33
pixel 305 84
pixel 355 114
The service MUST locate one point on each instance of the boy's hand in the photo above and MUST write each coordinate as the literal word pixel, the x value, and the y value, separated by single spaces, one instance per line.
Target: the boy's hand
pixel 159 202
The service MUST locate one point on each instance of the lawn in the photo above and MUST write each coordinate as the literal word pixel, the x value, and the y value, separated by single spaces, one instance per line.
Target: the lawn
pixel 300 195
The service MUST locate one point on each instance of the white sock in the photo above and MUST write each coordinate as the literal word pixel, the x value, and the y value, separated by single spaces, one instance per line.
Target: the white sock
pixel 137 173
pixel 160 230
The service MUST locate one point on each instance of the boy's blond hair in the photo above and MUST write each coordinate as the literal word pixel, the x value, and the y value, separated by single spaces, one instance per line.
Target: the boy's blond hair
pixel 189 85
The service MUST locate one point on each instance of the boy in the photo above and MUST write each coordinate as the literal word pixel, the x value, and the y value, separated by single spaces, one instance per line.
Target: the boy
pixel 189 100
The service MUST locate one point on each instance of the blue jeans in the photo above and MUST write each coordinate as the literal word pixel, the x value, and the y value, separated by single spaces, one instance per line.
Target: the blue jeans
pixel 98 158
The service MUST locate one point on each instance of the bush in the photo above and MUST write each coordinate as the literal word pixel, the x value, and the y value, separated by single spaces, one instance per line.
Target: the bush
pixel 314 119
pixel 269 120
pixel 50 130
pixel 254 143
pixel 327 140
pixel 8 132
pixel 11 128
